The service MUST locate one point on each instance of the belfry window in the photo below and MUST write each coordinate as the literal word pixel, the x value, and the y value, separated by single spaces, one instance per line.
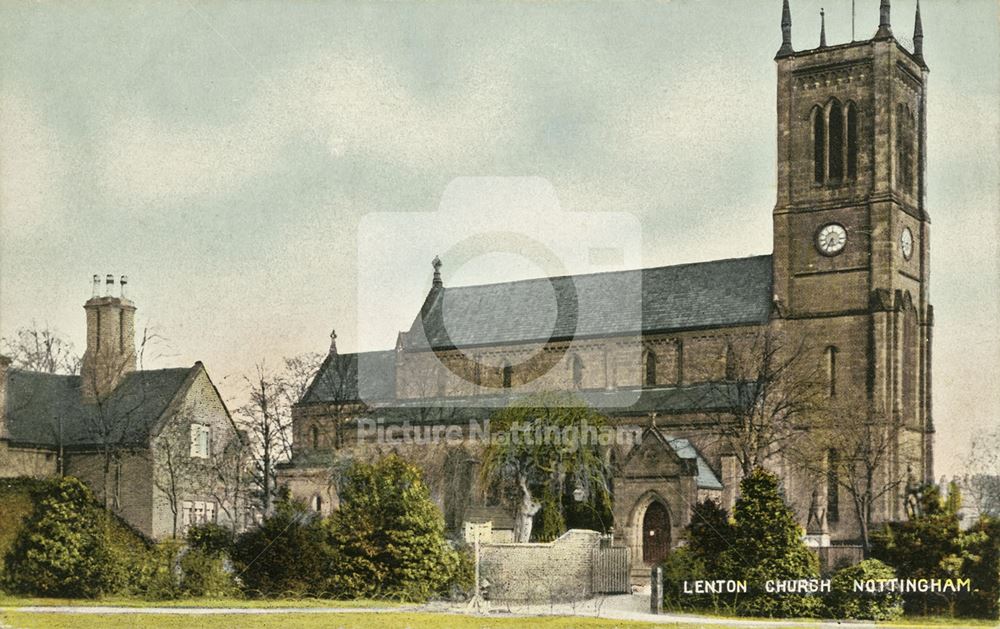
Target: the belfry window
pixel 835 143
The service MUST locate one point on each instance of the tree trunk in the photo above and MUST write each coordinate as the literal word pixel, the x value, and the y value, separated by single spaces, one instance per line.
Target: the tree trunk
pixel 526 510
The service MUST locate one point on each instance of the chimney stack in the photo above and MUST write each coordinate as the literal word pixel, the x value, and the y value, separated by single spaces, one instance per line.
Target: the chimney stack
pixel 110 353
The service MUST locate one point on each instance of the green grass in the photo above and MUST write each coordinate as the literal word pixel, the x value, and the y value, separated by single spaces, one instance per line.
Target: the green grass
pixel 21 620
pixel 235 603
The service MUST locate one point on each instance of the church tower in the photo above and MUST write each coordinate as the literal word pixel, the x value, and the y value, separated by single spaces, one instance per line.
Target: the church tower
pixel 851 229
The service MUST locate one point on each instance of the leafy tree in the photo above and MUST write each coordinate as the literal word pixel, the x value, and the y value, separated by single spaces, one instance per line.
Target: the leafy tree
pixel 388 536
pixel 767 544
pixel 544 442
pixel 710 532
pixel 982 568
pixel 550 519
pixel 65 548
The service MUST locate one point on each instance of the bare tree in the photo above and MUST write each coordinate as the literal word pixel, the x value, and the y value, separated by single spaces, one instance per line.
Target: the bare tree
pixel 850 445
pixel 267 419
pixel 982 484
pixel 770 384
pixel 173 469
pixel 40 348
pixel 232 479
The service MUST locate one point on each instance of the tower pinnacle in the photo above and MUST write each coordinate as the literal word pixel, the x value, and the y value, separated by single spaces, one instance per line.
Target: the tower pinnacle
pixel 918 37
pixel 822 28
pixel 786 31
pixel 884 26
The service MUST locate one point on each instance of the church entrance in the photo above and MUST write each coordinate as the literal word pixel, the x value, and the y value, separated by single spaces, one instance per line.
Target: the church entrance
pixel 655 533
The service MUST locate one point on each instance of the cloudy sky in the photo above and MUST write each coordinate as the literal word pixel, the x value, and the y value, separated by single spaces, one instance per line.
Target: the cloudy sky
pixel 238 159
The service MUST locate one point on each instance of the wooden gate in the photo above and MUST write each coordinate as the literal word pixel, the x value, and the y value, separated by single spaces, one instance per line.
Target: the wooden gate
pixel 611 570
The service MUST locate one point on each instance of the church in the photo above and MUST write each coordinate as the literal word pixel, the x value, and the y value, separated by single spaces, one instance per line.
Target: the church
pixel 845 289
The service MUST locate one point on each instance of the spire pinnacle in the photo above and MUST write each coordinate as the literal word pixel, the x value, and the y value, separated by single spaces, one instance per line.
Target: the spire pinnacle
pixel 436 263
pixel 918 36
pixel 884 26
pixel 786 31
pixel 333 342
pixel 822 28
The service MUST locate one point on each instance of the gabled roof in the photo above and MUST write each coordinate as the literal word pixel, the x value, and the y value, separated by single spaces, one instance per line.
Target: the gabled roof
pixel 661 299
pixel 46 409
pixel 362 376
pixel 648 456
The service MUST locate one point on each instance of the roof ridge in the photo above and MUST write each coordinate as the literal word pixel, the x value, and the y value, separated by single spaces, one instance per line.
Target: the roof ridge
pixel 595 273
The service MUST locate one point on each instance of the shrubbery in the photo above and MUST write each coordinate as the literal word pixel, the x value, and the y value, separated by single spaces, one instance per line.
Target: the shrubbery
pixel 71 547
pixel 844 602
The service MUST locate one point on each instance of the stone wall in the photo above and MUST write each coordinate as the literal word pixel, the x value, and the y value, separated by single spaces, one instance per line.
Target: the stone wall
pixel 540 573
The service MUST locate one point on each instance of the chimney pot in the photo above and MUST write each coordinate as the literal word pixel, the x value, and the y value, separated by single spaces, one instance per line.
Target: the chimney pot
pixel 123 281
pixel 97 286
pixel 109 283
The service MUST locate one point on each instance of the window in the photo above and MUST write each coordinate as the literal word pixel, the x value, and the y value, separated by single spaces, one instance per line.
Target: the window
pixel 831 369
pixel 507 372
pixel 852 141
pixel 199 513
pixel 577 372
pixel 819 145
pixel 680 363
pixel 210 512
pixel 836 133
pixel 650 379
pixel 314 436
pixel 187 513
pixel 835 142
pixel 833 486
pixel 730 362
pixel 905 139
pixel 200 437
pixel 317 503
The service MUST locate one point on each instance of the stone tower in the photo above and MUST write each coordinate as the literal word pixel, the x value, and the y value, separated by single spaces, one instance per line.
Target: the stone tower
pixel 110 353
pixel 851 230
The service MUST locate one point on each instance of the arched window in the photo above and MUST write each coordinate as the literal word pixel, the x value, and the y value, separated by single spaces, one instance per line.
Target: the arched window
pixel 314 436
pixel 831 369
pixel 650 378
pixel 730 362
pixel 819 145
pixel 836 135
pixel 577 372
pixel 506 374
pixel 832 486
pixel 852 141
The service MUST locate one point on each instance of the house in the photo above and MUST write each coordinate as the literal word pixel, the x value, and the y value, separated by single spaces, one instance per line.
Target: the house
pixel 150 443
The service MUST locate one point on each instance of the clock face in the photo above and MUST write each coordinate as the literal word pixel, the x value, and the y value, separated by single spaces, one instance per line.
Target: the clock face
pixel 906 242
pixel 831 239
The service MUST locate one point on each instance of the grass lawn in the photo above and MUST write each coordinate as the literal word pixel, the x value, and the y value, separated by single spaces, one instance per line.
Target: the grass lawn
pixel 20 620
pixel 241 603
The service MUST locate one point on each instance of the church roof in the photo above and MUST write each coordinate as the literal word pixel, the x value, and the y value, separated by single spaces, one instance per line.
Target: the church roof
pixel 671 298
pixel 37 403
pixel 353 378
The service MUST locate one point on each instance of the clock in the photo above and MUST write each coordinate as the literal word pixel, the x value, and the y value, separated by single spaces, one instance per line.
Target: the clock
pixel 831 238
pixel 906 242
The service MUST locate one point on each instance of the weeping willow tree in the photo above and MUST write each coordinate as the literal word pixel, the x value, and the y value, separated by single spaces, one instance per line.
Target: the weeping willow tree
pixel 545 445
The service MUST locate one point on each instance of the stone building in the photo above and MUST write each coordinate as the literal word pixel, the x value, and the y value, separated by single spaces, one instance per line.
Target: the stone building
pixel 145 441
pixel 846 285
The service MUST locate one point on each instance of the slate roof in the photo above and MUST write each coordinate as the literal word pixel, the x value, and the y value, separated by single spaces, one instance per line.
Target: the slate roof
pixel 499 516
pixel 706 477
pixel 36 402
pixel 363 376
pixel 661 299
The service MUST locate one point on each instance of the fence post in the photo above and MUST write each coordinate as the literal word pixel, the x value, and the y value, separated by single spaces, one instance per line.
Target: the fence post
pixel 656 590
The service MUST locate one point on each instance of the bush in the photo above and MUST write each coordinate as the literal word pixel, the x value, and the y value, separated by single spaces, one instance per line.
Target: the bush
pixel 683 565
pixel 211 538
pixel 549 522
pixel 844 602
pixel 70 547
pixel 160 578
pixel 388 536
pixel 204 574
pixel 767 544
pixel 982 568
pixel 287 555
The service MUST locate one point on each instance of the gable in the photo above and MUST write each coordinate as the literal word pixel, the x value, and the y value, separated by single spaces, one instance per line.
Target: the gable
pixel 654 457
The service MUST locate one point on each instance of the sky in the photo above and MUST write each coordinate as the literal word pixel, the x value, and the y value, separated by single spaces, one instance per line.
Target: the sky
pixel 249 164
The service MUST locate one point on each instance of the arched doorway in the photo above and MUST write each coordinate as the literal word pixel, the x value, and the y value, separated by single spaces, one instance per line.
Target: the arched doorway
pixel 655 533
